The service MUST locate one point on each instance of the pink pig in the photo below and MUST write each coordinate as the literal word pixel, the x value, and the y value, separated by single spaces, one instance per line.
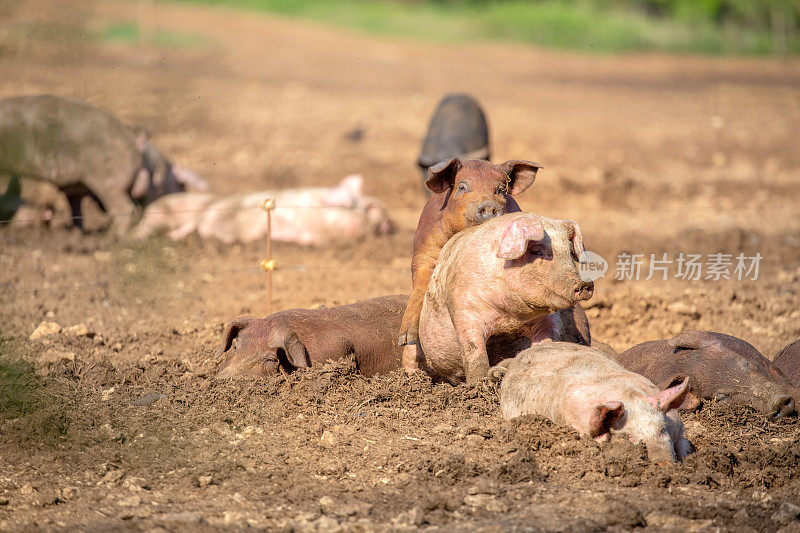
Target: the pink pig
pixel 585 389
pixel 308 216
pixel 495 284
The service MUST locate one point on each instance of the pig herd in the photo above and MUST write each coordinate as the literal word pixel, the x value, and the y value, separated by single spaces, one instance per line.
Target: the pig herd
pixel 495 291
pixel 495 296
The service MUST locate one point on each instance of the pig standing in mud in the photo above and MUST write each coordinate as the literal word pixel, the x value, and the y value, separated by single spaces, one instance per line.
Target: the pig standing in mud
pixel 502 279
pixel 583 388
pixel 300 338
pixel 309 216
pixel 717 366
pixel 466 194
pixel 457 129
pixel 85 151
pixel 788 362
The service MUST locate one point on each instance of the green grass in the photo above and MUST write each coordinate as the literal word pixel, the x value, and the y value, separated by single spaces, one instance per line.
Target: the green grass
pixel 550 23
pixel 127 32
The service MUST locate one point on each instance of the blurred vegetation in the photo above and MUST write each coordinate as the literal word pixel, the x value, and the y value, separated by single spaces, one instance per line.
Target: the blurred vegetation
pixel 129 32
pixel 707 26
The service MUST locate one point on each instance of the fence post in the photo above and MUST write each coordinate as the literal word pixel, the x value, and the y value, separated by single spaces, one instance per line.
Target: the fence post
pixel 268 265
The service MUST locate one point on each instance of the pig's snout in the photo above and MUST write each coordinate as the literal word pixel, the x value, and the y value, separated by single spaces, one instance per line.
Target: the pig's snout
pixel 781 406
pixel 584 290
pixel 487 211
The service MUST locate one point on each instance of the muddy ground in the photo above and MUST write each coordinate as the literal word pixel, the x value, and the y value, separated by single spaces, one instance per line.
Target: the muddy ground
pixel 124 428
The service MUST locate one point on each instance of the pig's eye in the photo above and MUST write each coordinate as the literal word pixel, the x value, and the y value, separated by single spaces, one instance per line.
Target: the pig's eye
pixel 501 189
pixel 462 186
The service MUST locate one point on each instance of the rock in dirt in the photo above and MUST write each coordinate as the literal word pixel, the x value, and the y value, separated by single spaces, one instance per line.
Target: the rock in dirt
pixel 413 517
pixel 4 501
pixel 136 484
pixel 677 523
pixel 328 439
pixel 786 513
pixel 682 308
pixel 27 489
pixel 67 493
pixel 204 481
pixel 79 330
pixel 130 501
pixel 112 476
pixel 45 330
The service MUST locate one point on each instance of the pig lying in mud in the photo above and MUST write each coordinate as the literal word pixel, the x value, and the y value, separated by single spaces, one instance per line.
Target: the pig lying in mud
pixel 585 389
pixel 788 362
pixel 300 338
pixel 502 279
pixel 466 195
pixel 457 129
pixel 86 151
pixel 718 366
pixel 307 216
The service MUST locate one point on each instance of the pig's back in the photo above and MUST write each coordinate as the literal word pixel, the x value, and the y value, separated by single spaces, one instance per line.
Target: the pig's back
pixel 60 139
pixel 555 379
pixel 369 329
pixel 788 361
pixel 650 359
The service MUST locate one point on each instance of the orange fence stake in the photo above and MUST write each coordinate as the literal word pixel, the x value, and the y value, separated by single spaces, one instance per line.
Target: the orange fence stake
pixel 268 265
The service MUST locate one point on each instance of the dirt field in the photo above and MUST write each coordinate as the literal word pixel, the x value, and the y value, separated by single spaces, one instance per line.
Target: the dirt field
pixel 128 430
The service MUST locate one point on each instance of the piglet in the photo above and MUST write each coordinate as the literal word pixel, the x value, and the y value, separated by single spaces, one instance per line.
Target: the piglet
pixel 585 389
pixel 467 194
pixel 719 367
pixel 300 338
pixel 788 361
pixel 502 279
pixel 311 216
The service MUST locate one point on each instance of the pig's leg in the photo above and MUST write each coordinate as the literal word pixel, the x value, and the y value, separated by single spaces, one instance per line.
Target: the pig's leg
pixel 409 328
pixel 75 208
pixel 473 349
pixel 119 207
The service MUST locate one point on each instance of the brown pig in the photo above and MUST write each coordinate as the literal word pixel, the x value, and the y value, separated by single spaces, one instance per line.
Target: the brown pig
pixel 585 389
pixel 718 366
pixel 465 194
pixel 300 338
pixel 502 279
pixel 788 362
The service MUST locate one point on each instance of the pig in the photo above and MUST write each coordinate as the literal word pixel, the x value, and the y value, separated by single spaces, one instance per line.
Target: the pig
pixel 719 367
pixel 86 151
pixel 466 195
pixel 301 338
pixel 307 216
pixel 457 129
pixel 10 201
pixel 585 389
pixel 788 362
pixel 502 279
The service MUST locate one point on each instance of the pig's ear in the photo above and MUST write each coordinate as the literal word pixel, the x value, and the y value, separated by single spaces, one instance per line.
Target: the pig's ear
pixel 442 175
pixel 497 373
pixel 690 340
pixel 231 331
pixel 576 238
pixel 671 397
pixel 691 401
pixel 294 353
pixel 521 174
pixel 604 417
pixel 141 184
pixel 517 236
